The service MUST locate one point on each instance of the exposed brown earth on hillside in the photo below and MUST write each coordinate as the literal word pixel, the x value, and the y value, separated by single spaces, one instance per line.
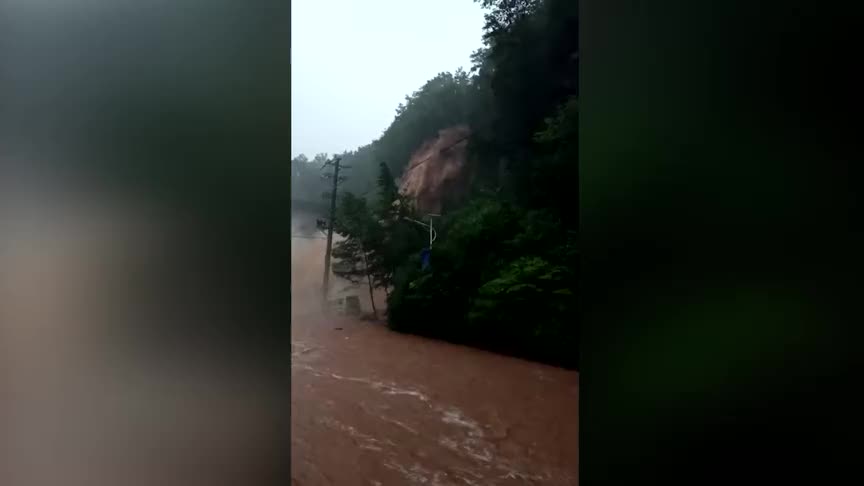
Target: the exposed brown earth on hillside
pixel 436 172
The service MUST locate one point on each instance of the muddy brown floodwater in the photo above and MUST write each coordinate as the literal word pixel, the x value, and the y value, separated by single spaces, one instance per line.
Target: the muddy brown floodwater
pixel 375 407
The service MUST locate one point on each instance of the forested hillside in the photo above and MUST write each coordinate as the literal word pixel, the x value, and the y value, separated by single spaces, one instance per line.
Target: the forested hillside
pixel 502 272
pixel 442 102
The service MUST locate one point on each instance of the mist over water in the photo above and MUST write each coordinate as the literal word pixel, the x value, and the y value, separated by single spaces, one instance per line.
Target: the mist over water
pixel 307 264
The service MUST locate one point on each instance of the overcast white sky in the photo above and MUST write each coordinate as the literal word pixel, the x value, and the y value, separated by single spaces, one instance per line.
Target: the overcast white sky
pixel 353 62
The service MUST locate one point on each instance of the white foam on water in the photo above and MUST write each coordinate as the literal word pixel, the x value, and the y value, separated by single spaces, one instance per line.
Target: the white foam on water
pixel 364 441
pixel 455 416
pixel 473 445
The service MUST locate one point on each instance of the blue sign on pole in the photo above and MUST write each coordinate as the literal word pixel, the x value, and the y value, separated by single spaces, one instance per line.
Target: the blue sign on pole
pixel 425 257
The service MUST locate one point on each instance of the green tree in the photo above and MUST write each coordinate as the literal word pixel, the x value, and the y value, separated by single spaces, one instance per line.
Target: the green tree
pixel 503 14
pixel 355 255
pixel 388 193
pixel 527 70
pixel 376 241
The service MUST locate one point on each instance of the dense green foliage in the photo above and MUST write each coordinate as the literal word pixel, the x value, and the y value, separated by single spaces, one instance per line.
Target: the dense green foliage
pixel 503 269
pixel 377 237
pixel 441 102
pixel 504 273
pixel 502 278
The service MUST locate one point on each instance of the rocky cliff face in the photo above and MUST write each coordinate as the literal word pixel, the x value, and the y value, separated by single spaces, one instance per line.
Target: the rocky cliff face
pixel 436 173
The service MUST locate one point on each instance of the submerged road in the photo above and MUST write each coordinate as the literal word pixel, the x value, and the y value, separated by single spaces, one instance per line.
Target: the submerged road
pixel 375 407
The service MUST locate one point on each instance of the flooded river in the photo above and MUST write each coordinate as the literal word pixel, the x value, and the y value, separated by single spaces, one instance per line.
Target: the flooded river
pixel 375 407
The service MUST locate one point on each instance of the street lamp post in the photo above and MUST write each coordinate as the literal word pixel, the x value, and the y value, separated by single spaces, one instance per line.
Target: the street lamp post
pixel 433 235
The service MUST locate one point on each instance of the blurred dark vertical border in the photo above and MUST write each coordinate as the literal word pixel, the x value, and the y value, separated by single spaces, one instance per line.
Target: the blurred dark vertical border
pixel 182 107
pixel 720 152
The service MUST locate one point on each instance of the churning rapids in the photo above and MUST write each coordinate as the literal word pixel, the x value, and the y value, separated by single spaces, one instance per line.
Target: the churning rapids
pixel 375 407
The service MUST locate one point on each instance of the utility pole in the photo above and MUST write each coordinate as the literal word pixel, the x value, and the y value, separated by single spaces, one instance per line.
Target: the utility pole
pixel 337 166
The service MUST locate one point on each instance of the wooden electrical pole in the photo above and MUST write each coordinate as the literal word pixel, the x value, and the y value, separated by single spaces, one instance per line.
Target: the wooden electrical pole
pixel 337 166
